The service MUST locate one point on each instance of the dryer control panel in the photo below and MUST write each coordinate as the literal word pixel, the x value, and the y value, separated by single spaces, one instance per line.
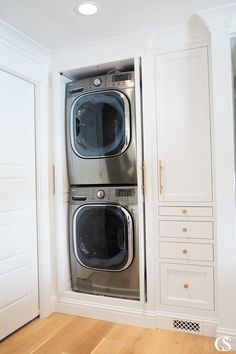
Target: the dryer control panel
pixel 117 80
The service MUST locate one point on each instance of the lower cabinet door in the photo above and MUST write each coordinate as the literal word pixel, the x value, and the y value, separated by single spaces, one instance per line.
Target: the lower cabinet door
pixel 187 286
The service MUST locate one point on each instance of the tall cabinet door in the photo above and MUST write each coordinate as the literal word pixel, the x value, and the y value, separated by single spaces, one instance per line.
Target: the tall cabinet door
pixel 183 123
pixel 18 235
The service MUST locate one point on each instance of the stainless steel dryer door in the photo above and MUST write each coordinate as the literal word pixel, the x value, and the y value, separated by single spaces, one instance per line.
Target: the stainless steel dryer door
pixel 100 124
pixel 103 237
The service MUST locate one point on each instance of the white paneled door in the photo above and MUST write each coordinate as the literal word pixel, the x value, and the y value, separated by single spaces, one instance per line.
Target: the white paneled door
pixel 18 231
pixel 184 136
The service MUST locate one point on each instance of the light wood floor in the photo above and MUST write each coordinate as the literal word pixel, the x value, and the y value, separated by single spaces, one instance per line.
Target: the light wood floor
pixel 66 334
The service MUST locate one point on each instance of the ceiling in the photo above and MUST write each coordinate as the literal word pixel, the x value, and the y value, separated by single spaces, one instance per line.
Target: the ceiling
pixel 55 24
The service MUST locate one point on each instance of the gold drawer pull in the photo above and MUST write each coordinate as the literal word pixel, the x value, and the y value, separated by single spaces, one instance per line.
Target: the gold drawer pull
pixel 185 286
pixel 184 211
pixel 184 229
pixel 185 251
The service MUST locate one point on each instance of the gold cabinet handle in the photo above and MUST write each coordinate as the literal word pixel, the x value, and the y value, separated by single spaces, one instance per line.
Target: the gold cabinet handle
pixel 160 176
pixel 184 211
pixel 184 229
pixel 185 251
pixel 185 286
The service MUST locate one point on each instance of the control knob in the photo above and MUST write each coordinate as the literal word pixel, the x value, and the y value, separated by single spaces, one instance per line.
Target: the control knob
pixel 97 82
pixel 100 194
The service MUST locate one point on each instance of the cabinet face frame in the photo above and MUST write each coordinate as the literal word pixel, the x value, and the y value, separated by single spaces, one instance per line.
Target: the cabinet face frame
pixel 183 126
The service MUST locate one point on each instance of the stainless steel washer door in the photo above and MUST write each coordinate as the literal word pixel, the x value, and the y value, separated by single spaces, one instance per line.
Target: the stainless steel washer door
pixel 100 124
pixel 103 237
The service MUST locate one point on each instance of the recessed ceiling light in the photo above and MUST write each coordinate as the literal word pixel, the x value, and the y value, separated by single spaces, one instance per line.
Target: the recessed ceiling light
pixel 88 8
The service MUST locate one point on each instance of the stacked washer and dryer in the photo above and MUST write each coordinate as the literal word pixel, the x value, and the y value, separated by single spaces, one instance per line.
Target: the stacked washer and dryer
pixel 101 151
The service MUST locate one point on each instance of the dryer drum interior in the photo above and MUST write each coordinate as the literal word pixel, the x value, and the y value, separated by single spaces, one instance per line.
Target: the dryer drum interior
pixel 100 124
pixel 103 237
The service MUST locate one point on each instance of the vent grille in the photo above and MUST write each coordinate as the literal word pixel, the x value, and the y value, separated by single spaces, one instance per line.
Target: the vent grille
pixel 186 325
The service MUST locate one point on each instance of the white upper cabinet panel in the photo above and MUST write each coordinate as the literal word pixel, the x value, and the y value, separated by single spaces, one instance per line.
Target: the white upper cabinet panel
pixel 183 122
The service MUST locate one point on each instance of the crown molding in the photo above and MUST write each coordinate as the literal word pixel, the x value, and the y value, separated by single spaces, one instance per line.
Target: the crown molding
pixel 138 43
pixel 220 18
pixel 11 37
pixel 188 33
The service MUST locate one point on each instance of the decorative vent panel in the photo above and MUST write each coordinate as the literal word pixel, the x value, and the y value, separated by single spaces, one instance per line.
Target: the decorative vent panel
pixel 186 325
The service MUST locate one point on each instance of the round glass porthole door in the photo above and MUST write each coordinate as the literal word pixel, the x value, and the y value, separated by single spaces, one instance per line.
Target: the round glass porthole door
pixel 103 237
pixel 100 124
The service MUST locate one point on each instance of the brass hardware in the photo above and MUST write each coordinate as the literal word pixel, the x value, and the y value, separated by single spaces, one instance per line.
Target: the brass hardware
pixel 185 251
pixel 184 229
pixel 184 211
pixel 185 286
pixel 160 176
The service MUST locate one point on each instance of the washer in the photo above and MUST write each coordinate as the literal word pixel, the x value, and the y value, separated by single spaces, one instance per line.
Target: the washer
pixel 101 131
pixel 104 241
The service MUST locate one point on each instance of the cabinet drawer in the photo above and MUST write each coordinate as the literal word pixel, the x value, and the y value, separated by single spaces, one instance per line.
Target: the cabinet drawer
pixel 188 286
pixel 186 251
pixel 186 229
pixel 185 211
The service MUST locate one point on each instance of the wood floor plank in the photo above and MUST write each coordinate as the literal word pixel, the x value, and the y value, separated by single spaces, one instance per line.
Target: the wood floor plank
pixel 27 339
pixel 108 345
pixel 80 335
pixel 67 334
pixel 150 340
pixel 128 335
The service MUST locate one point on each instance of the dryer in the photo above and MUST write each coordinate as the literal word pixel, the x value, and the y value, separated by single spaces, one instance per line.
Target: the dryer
pixel 104 241
pixel 101 130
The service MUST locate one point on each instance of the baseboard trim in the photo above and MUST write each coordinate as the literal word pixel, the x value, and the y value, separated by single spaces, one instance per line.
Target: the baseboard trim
pixel 118 314
pixel 139 316
pixel 142 317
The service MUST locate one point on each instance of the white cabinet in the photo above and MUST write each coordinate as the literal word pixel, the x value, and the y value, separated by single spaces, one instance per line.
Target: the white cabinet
pixel 186 232
pixel 186 248
pixel 183 126
pixel 186 251
pixel 186 229
pixel 185 211
pixel 188 286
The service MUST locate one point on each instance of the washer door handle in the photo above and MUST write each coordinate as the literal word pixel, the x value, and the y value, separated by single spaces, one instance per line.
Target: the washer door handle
pixel 77 123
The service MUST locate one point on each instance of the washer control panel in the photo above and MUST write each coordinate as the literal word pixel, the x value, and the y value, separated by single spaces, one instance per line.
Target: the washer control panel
pixel 116 194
